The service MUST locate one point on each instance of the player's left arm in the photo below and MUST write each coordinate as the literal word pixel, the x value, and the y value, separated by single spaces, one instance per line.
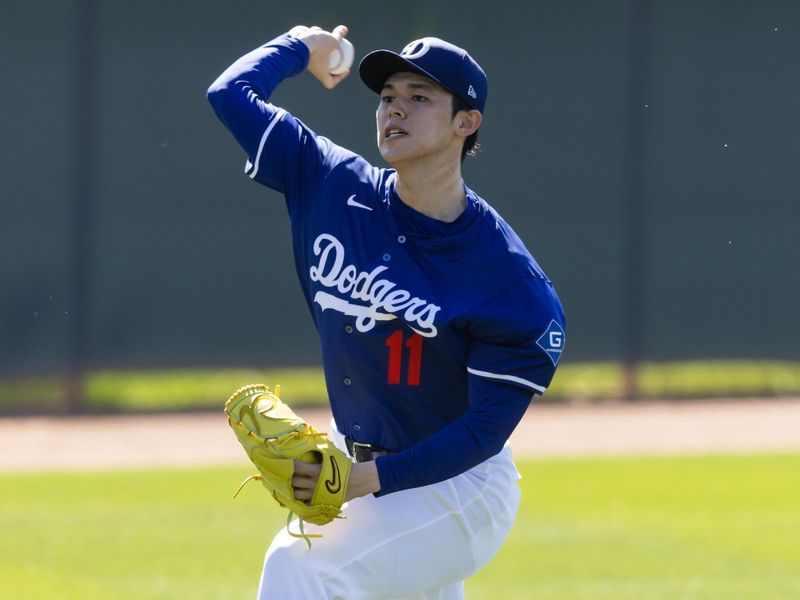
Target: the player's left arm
pixel 518 344
pixel 518 340
pixel 481 432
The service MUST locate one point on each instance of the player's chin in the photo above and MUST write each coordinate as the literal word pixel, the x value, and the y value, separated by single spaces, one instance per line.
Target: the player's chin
pixel 392 152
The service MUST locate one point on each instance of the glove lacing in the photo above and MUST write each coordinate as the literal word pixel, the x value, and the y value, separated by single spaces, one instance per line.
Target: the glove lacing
pixel 330 512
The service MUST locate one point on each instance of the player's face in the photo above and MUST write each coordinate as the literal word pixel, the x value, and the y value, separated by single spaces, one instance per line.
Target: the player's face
pixel 415 120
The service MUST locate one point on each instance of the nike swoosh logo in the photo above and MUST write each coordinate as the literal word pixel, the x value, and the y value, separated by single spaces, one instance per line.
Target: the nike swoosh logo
pixel 351 201
pixel 334 484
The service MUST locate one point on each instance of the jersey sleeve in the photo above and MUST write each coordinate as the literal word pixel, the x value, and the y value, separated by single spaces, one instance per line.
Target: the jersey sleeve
pixel 519 336
pixel 481 432
pixel 282 152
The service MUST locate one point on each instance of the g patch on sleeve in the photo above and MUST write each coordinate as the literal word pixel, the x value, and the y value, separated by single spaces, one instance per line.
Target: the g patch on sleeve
pixel 552 341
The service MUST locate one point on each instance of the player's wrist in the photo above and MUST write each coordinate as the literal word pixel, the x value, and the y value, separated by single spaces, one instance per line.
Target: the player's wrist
pixel 363 480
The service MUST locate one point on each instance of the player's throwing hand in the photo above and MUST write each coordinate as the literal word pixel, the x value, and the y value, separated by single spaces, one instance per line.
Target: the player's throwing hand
pixel 321 44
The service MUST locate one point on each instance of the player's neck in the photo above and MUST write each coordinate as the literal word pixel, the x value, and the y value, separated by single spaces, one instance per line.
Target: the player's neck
pixel 436 191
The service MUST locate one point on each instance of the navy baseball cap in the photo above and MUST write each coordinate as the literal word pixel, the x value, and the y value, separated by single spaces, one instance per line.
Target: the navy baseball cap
pixel 448 65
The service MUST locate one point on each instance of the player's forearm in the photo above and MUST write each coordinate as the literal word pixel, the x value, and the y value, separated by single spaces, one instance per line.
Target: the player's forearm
pixel 363 480
pixel 475 437
pixel 248 83
pixel 266 66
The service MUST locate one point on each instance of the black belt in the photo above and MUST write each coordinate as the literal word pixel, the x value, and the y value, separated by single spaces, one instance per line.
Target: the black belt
pixel 363 452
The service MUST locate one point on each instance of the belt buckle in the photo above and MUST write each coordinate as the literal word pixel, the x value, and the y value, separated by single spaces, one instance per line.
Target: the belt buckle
pixel 362 452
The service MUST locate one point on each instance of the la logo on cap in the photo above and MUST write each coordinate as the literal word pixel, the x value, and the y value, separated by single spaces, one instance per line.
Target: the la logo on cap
pixel 471 92
pixel 416 49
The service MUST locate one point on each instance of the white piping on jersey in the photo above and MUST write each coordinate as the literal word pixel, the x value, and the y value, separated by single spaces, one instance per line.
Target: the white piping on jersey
pixel 512 378
pixel 278 116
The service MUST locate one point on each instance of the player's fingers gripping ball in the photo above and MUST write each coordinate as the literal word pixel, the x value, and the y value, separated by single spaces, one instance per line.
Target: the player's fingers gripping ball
pixel 273 437
pixel 341 59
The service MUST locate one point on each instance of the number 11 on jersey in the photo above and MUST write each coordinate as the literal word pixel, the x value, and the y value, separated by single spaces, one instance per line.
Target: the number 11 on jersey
pixel 414 345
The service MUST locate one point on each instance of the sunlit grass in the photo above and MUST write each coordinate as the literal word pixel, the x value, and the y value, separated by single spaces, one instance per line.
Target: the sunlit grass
pixel 162 390
pixel 700 528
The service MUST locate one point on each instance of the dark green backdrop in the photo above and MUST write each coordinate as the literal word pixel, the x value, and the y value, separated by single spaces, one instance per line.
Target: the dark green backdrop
pixel 190 260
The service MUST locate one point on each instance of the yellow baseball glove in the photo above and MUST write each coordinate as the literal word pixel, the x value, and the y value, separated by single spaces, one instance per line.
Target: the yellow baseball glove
pixel 274 437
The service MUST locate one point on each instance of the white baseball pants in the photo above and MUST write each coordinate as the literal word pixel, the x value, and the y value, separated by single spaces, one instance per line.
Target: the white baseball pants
pixel 416 544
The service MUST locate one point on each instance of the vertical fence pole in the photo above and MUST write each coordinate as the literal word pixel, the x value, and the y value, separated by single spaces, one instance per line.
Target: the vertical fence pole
pixel 635 202
pixel 83 191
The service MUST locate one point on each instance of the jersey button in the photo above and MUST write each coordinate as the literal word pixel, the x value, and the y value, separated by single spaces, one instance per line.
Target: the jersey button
pixel 401 239
pixel 387 257
pixel 356 427
pixel 347 381
pixel 348 328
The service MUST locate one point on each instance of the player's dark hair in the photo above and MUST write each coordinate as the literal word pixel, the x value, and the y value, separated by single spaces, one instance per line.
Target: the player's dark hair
pixel 471 146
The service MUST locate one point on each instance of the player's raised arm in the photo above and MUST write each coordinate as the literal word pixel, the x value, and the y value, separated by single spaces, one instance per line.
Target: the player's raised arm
pixel 280 149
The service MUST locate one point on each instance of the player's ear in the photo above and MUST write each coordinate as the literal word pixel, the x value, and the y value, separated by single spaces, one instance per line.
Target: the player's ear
pixel 468 122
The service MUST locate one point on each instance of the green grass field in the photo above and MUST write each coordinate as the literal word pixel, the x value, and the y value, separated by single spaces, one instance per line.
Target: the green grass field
pixel 169 390
pixel 718 527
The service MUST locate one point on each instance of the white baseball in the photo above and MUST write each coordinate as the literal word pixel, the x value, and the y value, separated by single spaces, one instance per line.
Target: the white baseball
pixel 341 59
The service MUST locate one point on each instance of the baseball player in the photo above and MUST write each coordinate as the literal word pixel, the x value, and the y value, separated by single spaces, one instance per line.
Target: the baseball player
pixel 436 324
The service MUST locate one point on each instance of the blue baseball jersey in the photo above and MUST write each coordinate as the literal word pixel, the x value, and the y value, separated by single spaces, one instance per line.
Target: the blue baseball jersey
pixel 435 335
